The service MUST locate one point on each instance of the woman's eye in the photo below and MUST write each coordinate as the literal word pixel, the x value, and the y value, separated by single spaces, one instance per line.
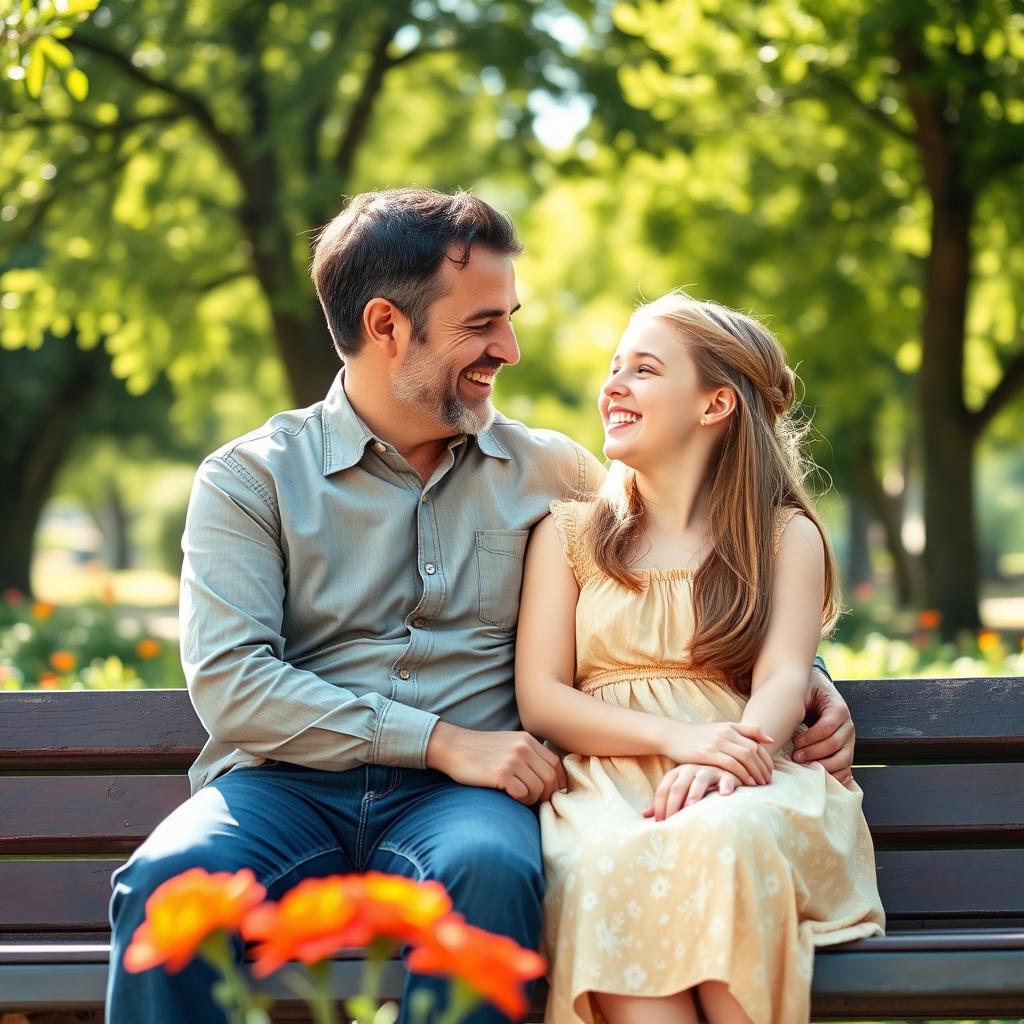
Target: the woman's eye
pixel 644 369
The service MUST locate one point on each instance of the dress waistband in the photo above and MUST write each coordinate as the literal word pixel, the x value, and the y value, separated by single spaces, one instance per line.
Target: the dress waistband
pixel 596 680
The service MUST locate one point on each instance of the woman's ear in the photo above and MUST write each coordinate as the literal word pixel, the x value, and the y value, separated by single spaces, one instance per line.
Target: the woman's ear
pixel 719 407
pixel 385 326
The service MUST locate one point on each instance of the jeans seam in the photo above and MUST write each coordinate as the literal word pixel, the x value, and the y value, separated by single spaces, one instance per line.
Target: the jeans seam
pixel 304 859
pixel 388 848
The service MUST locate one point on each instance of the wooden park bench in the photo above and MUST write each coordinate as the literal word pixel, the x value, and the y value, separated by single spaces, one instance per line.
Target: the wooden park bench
pixel 84 777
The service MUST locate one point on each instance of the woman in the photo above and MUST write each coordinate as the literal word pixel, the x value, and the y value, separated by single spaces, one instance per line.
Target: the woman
pixel 665 635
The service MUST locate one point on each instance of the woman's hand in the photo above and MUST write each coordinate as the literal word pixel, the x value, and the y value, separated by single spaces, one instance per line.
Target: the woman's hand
pixel 735 747
pixel 686 784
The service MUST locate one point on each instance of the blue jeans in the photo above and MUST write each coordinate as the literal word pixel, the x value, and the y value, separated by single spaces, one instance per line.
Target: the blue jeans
pixel 288 823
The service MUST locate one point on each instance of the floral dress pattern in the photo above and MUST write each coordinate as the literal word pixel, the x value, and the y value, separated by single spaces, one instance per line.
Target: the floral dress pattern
pixel 738 889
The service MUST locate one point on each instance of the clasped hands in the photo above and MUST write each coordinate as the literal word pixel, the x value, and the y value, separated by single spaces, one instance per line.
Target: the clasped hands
pixel 718 756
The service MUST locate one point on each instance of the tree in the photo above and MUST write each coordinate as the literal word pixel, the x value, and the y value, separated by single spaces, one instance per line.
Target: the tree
pixel 914 109
pixel 167 216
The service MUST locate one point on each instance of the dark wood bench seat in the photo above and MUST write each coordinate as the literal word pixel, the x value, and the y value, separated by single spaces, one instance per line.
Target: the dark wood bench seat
pixel 84 777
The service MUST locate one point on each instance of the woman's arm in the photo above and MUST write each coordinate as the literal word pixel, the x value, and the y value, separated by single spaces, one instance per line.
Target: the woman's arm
pixel 552 708
pixel 549 704
pixel 780 681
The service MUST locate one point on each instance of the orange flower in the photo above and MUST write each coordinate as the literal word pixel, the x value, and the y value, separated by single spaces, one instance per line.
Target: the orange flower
pixel 322 915
pixel 42 609
pixel 48 681
pixel 399 908
pixel 312 921
pixel 63 661
pixel 493 966
pixel 988 641
pixel 184 911
pixel 863 591
pixel 107 593
pixel 148 648
pixel 930 618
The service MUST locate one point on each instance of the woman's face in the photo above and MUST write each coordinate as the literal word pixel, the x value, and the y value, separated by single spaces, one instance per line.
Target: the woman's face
pixel 651 403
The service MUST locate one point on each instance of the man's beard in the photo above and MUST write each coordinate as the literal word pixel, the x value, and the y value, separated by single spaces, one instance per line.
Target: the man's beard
pixel 421 386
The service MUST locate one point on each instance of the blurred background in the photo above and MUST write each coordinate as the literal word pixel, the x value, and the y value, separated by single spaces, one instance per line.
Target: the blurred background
pixel 852 172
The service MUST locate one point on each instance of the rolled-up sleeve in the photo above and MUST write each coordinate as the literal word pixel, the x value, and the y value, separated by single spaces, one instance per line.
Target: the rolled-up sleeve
pixel 244 692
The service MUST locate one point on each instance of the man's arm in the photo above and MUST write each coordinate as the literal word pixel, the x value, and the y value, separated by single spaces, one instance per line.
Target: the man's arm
pixel 831 737
pixel 232 650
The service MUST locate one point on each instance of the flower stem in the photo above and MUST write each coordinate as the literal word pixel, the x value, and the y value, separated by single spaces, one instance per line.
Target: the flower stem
pixel 461 999
pixel 216 950
pixel 319 1000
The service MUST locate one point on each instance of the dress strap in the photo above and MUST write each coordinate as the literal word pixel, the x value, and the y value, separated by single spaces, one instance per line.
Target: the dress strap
pixel 570 517
pixel 782 519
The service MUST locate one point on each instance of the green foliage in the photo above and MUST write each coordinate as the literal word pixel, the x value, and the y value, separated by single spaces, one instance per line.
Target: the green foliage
pixel 89 647
pixel 30 47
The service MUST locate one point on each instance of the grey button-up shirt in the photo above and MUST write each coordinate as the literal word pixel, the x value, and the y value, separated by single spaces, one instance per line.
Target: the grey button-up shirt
pixel 333 607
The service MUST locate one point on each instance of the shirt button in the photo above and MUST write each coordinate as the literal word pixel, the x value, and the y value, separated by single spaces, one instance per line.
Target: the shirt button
pixel 379 448
pixel 404 674
pixel 430 568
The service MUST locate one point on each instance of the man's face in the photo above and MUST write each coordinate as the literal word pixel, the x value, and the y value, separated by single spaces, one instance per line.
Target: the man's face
pixel 449 375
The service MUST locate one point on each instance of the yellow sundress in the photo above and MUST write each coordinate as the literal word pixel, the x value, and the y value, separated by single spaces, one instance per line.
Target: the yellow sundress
pixel 738 889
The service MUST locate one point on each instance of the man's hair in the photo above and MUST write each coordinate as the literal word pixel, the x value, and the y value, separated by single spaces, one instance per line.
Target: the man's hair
pixel 390 245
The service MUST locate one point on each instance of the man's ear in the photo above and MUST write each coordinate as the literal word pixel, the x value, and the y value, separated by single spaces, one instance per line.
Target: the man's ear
pixel 720 406
pixel 385 326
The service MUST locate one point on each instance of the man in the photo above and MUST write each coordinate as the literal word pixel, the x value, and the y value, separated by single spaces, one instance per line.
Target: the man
pixel 349 604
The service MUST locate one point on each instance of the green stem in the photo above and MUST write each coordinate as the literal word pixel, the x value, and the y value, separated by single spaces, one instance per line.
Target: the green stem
pixel 379 953
pixel 461 999
pixel 216 950
pixel 319 1000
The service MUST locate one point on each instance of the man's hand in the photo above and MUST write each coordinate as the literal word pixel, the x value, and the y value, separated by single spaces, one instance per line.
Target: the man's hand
pixel 513 762
pixel 830 739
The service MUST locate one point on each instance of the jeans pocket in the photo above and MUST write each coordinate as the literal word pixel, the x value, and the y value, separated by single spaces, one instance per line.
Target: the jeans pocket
pixel 499 562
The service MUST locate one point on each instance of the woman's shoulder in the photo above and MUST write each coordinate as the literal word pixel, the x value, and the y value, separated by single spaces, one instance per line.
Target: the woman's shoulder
pixel 796 528
pixel 570 518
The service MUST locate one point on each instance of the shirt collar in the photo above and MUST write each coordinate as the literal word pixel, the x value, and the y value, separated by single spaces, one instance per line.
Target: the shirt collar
pixel 346 436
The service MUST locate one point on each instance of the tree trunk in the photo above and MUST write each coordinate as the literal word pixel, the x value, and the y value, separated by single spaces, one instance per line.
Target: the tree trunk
pixel 113 519
pixel 951 555
pixel 308 354
pixel 886 511
pixel 858 555
pixel 36 449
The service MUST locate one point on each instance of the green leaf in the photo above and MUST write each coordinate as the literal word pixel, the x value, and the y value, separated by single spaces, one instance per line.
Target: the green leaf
pixel 36 70
pixel 56 53
pixel 77 84
pixel 73 7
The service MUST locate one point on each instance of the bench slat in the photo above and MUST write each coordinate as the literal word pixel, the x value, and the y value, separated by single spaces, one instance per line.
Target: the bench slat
pixel 931 804
pixel 850 982
pixel 84 813
pixel 965 719
pixel 917 719
pixel 944 804
pixel 98 729
pixel 41 896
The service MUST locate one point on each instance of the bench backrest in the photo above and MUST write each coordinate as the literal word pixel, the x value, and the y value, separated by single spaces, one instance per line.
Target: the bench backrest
pixel 85 777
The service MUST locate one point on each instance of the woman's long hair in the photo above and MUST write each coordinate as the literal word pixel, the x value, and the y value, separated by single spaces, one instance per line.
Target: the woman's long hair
pixel 756 473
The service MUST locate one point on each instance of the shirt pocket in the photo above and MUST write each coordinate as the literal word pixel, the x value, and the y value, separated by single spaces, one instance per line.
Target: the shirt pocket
pixel 499 562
